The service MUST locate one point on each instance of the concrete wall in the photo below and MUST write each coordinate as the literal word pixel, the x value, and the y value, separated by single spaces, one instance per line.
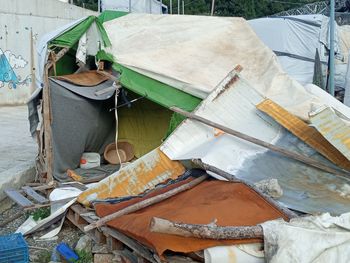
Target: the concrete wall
pixel 22 23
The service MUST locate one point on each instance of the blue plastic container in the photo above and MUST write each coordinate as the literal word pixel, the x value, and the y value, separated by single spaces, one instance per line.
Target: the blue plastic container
pixel 13 249
pixel 67 252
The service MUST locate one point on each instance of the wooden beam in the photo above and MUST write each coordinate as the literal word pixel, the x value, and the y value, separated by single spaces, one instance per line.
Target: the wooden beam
pixel 47 116
pixel 210 231
pixel 37 197
pixel 138 248
pixel 146 203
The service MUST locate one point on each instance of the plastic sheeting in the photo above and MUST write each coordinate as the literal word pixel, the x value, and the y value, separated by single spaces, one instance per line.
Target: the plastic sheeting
pixel 295 39
pixel 319 239
pixel 79 124
pixel 196 58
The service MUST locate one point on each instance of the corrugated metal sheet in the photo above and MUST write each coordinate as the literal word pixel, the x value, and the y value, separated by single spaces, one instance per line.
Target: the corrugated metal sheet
pixel 137 177
pixel 233 104
pixel 333 128
pixel 304 132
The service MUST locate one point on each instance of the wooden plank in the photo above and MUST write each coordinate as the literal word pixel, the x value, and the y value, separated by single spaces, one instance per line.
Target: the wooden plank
pixel 112 238
pixel 18 198
pixel 30 192
pixel 113 244
pixel 138 248
pixel 47 116
pixel 47 127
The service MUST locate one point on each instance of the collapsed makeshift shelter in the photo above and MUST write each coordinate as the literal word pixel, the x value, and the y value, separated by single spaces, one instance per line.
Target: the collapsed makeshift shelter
pixel 127 78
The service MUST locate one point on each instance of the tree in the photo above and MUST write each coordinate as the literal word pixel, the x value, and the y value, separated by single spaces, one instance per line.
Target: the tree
pixel 248 9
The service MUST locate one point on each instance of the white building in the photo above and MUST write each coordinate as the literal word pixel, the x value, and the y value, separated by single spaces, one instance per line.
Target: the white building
pixel 22 23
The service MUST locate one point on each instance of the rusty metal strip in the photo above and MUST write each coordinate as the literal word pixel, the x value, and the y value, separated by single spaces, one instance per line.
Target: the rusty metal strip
pixel 304 132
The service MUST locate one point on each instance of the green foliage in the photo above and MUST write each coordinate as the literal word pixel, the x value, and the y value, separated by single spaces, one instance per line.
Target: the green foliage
pixel 88 4
pixel 244 8
pixel 44 257
pixel 84 256
pixel 40 213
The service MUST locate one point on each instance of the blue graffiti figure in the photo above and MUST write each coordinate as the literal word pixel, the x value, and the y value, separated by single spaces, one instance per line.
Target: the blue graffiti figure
pixel 7 75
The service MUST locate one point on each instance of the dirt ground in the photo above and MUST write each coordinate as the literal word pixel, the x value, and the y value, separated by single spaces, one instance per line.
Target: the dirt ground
pixel 69 234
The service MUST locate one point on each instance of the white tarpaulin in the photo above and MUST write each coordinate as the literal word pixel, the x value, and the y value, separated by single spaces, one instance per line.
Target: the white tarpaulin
pixel 194 53
pixel 295 39
pixel 321 239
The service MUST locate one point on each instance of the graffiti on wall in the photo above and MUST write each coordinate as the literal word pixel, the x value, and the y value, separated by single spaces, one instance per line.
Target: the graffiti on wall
pixel 9 64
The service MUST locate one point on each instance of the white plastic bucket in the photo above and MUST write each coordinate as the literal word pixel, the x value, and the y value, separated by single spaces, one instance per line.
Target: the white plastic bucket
pixel 90 160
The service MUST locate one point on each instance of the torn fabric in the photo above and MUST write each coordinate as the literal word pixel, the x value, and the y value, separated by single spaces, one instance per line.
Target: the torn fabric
pixel 319 239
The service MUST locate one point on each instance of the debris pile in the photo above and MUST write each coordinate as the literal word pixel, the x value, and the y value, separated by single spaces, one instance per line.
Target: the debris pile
pixel 191 146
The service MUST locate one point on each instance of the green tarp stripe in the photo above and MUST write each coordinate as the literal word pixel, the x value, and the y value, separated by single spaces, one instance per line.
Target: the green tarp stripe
pixel 156 91
pixel 110 15
pixel 72 36
pixel 103 32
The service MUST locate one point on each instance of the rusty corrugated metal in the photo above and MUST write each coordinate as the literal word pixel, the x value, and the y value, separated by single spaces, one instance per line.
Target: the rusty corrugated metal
pixel 304 132
pixel 305 188
pixel 139 176
pixel 333 128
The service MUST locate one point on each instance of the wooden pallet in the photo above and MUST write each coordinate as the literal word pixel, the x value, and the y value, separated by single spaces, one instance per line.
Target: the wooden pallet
pixel 27 196
pixel 113 239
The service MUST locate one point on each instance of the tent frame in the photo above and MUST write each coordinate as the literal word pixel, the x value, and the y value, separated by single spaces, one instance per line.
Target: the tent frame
pixel 47 152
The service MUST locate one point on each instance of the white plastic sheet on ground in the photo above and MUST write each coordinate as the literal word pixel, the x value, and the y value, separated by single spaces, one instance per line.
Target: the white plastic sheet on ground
pixel 321 239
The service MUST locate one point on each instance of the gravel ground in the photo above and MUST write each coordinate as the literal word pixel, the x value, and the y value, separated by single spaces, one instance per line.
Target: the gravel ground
pixel 69 234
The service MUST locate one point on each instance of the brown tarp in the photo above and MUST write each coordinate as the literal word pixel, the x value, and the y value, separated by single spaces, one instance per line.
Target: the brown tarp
pixel 232 204
pixel 87 78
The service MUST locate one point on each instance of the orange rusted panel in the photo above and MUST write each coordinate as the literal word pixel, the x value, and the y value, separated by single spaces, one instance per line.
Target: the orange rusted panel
pixel 137 177
pixel 304 132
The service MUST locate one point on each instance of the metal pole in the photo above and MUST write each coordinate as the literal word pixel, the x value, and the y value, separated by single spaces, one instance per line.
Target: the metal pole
pixel 99 6
pixel 171 7
pixel 178 7
pixel 150 7
pixel 183 7
pixel 161 7
pixel 331 52
pixel 212 7
pixel 129 6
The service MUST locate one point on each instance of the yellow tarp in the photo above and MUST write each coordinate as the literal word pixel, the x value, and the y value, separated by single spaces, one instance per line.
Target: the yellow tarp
pixel 135 178
pixel 304 132
pixel 144 125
